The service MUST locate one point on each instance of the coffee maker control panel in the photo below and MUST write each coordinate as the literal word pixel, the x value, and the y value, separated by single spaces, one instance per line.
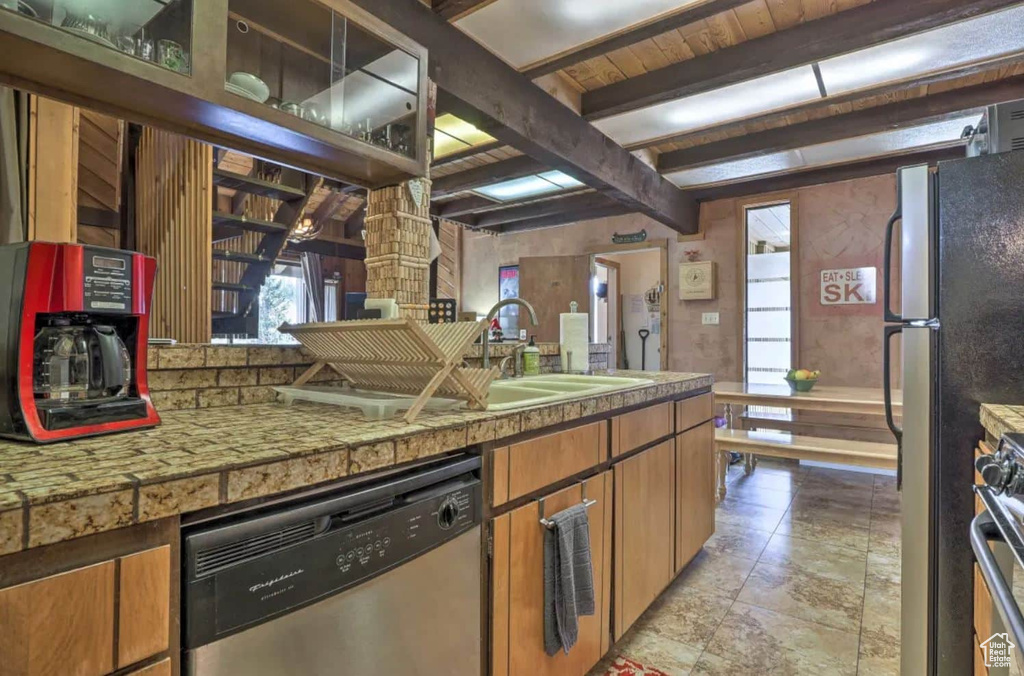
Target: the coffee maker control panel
pixel 107 280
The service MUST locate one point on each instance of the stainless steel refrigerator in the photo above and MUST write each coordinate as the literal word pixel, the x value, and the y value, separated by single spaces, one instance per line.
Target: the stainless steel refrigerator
pixel 958 233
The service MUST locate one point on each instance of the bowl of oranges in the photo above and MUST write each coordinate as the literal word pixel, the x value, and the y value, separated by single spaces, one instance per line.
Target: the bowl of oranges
pixel 802 380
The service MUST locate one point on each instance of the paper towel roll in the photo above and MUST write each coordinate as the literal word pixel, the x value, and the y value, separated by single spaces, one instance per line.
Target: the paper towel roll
pixel 574 329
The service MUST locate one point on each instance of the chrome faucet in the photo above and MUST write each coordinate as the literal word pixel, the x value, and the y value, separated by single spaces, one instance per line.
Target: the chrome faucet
pixel 494 313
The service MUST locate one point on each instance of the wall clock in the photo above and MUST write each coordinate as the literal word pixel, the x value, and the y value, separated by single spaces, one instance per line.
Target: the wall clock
pixel 697 281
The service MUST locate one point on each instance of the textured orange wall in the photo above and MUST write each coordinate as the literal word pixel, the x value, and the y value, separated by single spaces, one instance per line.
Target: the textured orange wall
pixel 840 225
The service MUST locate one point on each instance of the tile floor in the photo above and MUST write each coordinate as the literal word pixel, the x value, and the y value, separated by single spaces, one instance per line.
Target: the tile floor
pixel 801 577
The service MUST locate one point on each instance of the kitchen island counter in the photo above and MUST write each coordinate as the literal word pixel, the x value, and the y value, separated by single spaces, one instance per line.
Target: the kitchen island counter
pixel 207 457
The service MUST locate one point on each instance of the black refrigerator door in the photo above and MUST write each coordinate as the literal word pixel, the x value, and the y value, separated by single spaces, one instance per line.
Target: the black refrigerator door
pixel 981 360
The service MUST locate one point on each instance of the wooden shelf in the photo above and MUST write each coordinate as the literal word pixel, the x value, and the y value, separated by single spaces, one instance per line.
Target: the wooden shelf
pixel 256 186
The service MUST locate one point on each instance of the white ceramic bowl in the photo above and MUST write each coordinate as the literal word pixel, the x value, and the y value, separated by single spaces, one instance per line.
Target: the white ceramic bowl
pixel 252 84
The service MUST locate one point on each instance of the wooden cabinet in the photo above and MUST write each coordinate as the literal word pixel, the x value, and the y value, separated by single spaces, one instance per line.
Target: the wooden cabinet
pixel 62 624
pixel 116 608
pixel 517 586
pixel 694 411
pixel 635 429
pixel 695 491
pixel 198 81
pixel 145 592
pixel 644 531
pixel 528 466
pixel 161 668
pixel 979 660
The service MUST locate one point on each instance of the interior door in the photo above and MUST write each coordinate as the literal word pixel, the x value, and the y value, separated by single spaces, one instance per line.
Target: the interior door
pixel 549 284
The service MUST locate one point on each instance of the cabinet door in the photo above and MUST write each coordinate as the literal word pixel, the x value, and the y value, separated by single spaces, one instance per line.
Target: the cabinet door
pixel 695 491
pixel 144 610
pixel 517 586
pixel 645 531
pixel 62 624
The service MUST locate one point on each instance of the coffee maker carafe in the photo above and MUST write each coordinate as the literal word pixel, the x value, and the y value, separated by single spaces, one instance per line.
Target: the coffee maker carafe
pixel 74 344
pixel 80 363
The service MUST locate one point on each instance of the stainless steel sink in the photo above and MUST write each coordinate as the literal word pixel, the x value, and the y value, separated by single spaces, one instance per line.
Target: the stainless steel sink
pixel 546 389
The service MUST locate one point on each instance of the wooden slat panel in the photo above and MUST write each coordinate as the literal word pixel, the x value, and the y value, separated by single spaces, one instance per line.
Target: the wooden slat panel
pixel 59 625
pixel 173 197
pixel 145 597
pixel 53 171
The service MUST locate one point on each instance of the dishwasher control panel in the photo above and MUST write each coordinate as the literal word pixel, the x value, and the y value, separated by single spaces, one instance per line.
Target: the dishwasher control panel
pixel 347 549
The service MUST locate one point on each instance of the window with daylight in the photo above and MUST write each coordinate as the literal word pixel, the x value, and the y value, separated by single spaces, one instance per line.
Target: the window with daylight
pixel 769 294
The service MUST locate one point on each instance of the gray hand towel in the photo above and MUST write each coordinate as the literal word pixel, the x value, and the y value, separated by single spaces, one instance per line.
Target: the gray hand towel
pixel 568 578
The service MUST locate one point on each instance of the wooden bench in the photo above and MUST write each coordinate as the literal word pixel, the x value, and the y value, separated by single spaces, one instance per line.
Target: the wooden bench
pixel 811 428
pixel 819 449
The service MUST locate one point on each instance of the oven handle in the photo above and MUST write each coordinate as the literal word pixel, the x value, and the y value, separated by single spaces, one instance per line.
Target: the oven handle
pixel 983 531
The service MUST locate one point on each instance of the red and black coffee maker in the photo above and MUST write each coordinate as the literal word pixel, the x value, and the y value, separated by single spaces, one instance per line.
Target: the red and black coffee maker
pixel 74 326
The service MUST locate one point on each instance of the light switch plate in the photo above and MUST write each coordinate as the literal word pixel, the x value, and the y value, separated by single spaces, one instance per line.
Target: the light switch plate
pixel 709 318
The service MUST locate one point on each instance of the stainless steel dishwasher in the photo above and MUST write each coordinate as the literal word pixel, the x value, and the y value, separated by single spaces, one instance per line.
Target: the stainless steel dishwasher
pixel 381 578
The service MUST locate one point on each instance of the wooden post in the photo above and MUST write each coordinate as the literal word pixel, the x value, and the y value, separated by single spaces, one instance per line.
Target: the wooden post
pixel 53 171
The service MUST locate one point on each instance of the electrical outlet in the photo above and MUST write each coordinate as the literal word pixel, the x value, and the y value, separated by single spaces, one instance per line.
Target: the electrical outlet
pixel 522 334
pixel 709 318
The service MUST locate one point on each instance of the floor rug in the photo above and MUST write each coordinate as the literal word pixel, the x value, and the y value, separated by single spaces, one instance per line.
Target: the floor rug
pixel 625 667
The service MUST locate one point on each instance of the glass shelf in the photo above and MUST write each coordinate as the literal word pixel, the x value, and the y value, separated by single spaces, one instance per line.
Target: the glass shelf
pixel 314 63
pixel 157 31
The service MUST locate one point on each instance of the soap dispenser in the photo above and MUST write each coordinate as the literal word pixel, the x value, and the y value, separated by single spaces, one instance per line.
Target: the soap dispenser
pixel 531 358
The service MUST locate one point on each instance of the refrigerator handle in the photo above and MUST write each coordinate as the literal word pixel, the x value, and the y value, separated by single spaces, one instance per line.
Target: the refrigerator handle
pixel 983 530
pixel 897 215
pixel 897 431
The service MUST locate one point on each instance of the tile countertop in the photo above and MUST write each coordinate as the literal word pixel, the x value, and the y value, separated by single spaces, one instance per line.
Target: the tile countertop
pixel 998 419
pixel 201 458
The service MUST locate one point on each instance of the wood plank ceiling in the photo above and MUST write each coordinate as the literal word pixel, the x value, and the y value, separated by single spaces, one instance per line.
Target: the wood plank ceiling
pixel 731 28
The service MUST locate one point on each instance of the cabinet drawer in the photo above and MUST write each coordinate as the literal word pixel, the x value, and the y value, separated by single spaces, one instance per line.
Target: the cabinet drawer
pixel 531 465
pixel 982 605
pixel 62 624
pixel 633 430
pixel 161 668
pixel 694 411
pixel 144 606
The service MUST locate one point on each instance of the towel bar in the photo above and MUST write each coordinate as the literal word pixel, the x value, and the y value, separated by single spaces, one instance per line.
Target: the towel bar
pixel 587 504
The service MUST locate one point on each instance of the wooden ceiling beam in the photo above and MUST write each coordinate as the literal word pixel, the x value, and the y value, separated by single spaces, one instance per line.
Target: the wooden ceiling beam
pixel 812 108
pixel 487 174
pixel 834 35
pixel 551 207
pixel 831 174
pixel 632 35
pixel 859 123
pixel 462 206
pixel 564 218
pixel 483 90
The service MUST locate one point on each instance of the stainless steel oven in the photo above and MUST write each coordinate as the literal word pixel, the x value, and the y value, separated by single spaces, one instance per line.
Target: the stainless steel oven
pixel 997 539
pixel 371 579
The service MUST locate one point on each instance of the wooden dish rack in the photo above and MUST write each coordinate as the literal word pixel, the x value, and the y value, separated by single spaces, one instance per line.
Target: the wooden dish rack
pixel 400 356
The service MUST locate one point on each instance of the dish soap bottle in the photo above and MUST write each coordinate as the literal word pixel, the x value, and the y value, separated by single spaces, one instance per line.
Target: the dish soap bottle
pixel 531 358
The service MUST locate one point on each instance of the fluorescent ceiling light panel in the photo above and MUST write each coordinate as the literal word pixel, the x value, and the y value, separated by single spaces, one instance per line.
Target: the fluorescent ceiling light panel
pixel 744 99
pixel 736 169
pixel 887 142
pixel 560 179
pixel 847 150
pixel 461 130
pixel 523 32
pixel 987 37
pixel 519 188
pixel 446 145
